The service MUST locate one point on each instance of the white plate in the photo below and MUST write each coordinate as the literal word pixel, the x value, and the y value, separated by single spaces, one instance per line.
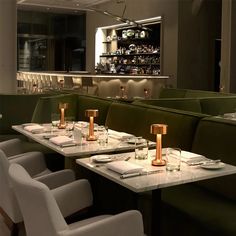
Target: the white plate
pixel 133 141
pixel 215 166
pixel 102 158
pixel 81 124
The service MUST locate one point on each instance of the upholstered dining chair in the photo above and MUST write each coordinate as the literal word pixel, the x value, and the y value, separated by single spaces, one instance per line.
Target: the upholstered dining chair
pixel 36 167
pixel 14 148
pixel 34 196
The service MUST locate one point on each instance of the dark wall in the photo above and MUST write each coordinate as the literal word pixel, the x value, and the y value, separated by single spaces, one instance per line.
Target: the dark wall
pixel 64 36
pixel 198 31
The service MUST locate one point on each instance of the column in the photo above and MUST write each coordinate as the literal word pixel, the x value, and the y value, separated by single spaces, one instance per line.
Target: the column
pixel 228 47
pixel 8 39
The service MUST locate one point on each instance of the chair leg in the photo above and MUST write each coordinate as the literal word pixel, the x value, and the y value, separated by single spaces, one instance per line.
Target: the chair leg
pixel 15 230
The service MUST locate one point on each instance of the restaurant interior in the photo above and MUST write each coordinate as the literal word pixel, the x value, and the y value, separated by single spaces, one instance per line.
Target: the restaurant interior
pixel 117 117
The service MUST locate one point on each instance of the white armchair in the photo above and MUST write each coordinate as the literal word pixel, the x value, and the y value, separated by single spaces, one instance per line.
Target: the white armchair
pixel 36 166
pixel 42 215
pixel 14 148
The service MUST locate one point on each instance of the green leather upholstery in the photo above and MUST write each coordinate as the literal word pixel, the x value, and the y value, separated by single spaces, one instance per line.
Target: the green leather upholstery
pixel 181 126
pixel 185 104
pixel 172 93
pixel 89 102
pixel 215 138
pixel 48 105
pixel 189 93
pixel 219 105
pixel 127 118
pixel 195 211
pixel 16 109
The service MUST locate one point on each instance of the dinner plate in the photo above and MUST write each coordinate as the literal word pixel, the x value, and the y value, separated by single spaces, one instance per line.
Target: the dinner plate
pixel 214 166
pixel 81 124
pixel 102 158
pixel 133 141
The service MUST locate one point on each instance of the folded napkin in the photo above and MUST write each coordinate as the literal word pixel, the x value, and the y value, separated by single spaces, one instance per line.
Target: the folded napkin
pixel 190 157
pixel 61 140
pixel 119 135
pixel 229 115
pixel 28 124
pixel 124 167
pixel 34 128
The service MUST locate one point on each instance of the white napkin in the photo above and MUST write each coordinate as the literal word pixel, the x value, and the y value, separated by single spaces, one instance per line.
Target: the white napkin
pixel 34 128
pixel 229 115
pixel 119 135
pixel 28 124
pixel 124 167
pixel 61 140
pixel 190 157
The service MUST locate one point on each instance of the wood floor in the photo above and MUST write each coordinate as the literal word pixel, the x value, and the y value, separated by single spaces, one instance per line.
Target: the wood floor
pixel 4 231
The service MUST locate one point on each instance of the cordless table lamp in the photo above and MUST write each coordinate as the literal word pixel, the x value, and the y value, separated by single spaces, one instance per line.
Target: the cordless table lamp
pixel 158 130
pixel 91 113
pixel 62 108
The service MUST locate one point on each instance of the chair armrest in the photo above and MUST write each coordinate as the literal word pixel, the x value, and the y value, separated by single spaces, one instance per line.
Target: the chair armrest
pixel 12 147
pixel 33 162
pixel 57 179
pixel 73 197
pixel 126 224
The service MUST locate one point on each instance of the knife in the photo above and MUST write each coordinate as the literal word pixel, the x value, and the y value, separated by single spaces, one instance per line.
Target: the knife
pixel 210 162
pixel 125 176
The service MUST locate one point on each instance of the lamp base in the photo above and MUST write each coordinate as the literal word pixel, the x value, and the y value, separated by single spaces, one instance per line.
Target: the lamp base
pixel 91 138
pixel 157 162
pixel 61 126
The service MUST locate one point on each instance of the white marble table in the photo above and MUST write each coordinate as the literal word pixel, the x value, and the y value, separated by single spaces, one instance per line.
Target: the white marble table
pixel 154 182
pixel 160 180
pixel 86 149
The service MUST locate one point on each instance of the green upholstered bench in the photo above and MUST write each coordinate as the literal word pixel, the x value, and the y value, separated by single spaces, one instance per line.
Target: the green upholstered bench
pixel 91 102
pixel 77 104
pixel 218 105
pixel 185 104
pixel 48 105
pixel 189 93
pixel 210 203
pixel 137 119
pixel 207 105
pixel 15 109
pixel 127 118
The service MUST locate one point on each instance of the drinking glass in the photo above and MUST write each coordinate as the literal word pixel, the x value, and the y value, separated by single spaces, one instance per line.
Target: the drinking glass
pixel 77 135
pixel 55 119
pixel 173 159
pixel 141 148
pixel 102 135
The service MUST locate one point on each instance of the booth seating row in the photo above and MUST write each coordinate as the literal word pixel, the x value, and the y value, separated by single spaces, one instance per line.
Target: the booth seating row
pixel 206 102
pixel 210 204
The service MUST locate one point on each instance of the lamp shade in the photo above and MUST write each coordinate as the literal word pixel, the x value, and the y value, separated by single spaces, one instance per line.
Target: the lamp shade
pixel 158 129
pixel 91 113
pixel 63 105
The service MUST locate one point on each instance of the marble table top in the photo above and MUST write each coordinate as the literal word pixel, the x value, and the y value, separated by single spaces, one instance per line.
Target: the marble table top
pixel 87 148
pixel 159 180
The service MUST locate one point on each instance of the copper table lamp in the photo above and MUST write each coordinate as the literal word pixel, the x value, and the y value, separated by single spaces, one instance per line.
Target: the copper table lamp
pixel 91 113
pixel 158 130
pixel 62 108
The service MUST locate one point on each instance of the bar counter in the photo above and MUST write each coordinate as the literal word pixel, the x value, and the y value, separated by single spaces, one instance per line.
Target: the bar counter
pixel 103 85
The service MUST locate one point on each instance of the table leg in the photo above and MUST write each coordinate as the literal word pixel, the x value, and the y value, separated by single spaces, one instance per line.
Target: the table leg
pixel 156 212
